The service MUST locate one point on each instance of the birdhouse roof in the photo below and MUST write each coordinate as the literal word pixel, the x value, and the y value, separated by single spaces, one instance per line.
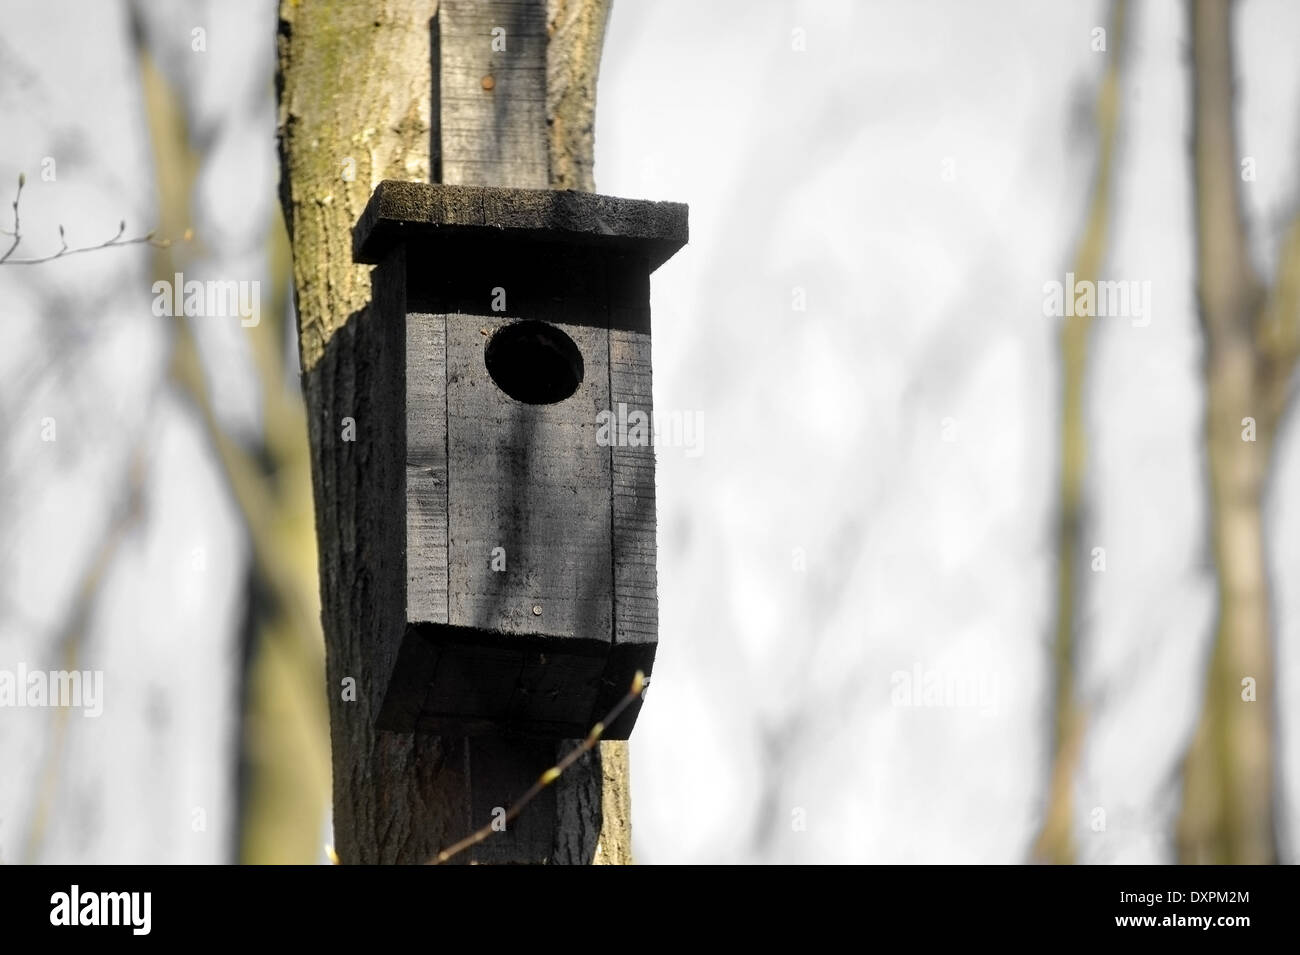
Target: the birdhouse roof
pixel 405 211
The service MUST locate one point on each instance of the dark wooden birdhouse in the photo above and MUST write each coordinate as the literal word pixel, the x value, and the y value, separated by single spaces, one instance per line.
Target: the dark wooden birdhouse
pixel 508 322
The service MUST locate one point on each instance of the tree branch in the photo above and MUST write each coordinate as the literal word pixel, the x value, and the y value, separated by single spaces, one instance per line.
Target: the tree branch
pixel 64 250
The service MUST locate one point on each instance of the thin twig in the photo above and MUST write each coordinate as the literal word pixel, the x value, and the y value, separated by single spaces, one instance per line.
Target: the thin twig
pixel 22 181
pixel 64 251
pixel 551 775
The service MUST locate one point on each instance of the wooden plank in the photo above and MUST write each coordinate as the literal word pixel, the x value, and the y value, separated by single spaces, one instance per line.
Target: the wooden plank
pixel 636 603
pixel 530 479
pixel 632 473
pixel 484 683
pixel 644 233
pixel 426 468
pixel 492 104
pixel 636 613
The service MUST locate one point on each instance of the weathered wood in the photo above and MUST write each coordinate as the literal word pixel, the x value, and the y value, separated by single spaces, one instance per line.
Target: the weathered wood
pixel 529 552
pixel 529 479
pixel 492 102
pixel 426 467
pixel 406 211
pixel 636 600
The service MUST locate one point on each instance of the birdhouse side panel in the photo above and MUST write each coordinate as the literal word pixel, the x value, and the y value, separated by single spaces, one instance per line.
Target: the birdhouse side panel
pixel 636 605
pixel 426 468
pixel 371 530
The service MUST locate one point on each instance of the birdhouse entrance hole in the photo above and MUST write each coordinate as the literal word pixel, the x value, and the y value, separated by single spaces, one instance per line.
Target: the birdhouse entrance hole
pixel 534 362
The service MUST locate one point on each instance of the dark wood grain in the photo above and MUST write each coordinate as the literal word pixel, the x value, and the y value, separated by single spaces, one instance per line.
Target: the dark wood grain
pixel 532 480
pixel 426 468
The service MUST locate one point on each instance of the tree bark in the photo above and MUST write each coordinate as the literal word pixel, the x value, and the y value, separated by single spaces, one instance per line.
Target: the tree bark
pixel 1250 352
pixel 360 94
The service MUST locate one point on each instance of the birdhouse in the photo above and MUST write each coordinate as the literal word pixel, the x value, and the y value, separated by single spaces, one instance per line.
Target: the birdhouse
pixel 508 325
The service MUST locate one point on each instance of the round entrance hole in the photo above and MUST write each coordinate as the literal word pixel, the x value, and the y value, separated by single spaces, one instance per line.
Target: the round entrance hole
pixel 534 362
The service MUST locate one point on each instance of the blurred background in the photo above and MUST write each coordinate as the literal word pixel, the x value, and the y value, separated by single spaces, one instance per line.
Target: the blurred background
pixel 937 571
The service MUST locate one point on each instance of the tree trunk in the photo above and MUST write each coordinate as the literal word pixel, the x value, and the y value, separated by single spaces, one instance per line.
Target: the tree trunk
pixel 362 100
pixel 1250 351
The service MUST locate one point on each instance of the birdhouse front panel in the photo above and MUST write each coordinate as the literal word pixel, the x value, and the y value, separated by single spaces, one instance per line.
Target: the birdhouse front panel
pixel 529 560
pixel 528 487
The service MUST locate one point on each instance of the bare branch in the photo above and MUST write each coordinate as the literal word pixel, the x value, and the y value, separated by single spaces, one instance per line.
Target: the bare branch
pixel 65 250
pixel 22 181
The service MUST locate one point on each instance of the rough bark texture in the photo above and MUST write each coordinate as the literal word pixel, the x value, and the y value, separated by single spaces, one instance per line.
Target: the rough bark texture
pixel 357 95
pixel 1250 352
pixel 577 31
